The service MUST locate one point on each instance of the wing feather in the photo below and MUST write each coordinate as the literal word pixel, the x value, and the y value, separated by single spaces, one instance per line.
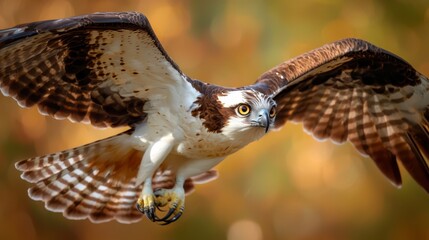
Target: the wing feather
pixel 100 68
pixel 96 181
pixel 352 90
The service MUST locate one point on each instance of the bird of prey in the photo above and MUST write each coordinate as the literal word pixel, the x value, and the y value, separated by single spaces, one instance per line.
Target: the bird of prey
pixel 110 70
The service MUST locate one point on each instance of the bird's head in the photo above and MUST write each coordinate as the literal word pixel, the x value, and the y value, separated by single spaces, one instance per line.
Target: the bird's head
pixel 247 111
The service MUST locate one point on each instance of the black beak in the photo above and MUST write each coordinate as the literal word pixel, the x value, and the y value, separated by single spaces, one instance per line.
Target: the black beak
pixel 264 119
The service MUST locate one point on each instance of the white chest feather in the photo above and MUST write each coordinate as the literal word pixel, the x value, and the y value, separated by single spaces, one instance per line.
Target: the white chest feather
pixel 192 148
pixel 191 138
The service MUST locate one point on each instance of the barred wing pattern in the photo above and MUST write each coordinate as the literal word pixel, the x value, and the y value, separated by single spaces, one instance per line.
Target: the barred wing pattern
pixel 352 90
pixel 109 70
pixel 80 184
pixel 92 181
pixel 98 68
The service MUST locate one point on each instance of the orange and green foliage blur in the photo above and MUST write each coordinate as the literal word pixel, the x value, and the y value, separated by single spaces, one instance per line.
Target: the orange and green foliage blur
pixel 285 186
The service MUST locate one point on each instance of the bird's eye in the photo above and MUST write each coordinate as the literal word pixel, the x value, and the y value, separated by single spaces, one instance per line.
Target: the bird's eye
pixel 243 109
pixel 273 112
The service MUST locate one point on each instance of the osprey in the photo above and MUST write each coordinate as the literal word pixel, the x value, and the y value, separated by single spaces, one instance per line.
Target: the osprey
pixel 110 70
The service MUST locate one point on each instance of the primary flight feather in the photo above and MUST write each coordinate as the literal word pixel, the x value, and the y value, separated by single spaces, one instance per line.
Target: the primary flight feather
pixel 110 70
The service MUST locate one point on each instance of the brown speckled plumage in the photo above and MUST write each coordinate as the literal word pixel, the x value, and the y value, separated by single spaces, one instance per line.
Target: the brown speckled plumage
pixel 352 90
pixel 55 65
pixel 110 70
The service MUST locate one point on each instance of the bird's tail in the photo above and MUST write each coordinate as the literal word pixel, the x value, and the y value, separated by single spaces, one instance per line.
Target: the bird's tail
pixel 95 181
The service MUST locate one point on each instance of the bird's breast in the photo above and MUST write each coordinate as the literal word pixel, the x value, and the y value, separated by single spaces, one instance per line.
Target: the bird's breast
pixel 192 139
pixel 199 142
pixel 204 146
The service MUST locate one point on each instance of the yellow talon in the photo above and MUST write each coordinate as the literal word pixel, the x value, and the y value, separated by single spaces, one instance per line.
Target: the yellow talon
pixel 146 205
pixel 174 200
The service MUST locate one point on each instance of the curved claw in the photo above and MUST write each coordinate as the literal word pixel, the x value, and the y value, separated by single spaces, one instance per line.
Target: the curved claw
pixel 172 215
pixel 150 204
pixel 159 208
pixel 177 216
pixel 146 205
pixel 148 209
pixel 168 215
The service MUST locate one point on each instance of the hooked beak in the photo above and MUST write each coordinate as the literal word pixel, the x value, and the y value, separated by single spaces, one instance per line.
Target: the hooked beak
pixel 264 119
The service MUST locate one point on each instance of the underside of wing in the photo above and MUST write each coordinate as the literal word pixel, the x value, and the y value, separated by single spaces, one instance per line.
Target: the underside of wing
pixel 100 68
pixel 352 90
pixel 96 181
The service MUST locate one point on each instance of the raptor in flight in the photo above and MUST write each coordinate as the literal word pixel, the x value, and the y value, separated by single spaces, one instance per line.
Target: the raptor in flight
pixel 110 70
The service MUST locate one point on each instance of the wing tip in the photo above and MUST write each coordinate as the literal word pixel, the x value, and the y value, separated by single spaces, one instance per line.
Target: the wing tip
pixel 414 154
pixel 21 165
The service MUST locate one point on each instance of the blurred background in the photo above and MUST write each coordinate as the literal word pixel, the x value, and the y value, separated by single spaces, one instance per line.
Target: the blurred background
pixel 287 185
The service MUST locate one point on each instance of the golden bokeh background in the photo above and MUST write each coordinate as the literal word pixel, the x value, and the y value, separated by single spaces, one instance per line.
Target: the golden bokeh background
pixel 285 186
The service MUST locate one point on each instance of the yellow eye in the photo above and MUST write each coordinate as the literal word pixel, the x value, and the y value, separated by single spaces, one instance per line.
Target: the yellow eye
pixel 243 109
pixel 273 112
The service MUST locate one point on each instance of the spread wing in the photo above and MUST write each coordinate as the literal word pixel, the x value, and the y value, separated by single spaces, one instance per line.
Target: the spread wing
pixel 353 91
pixel 107 69
pixel 100 68
pixel 96 181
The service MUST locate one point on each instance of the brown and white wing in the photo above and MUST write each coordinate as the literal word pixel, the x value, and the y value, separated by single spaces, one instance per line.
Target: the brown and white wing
pixel 100 68
pixel 88 181
pixel 96 181
pixel 353 91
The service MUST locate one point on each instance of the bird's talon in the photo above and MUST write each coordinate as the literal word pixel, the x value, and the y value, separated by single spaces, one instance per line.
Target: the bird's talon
pixel 168 215
pixel 161 201
pixel 160 208
pixel 146 205
pixel 174 218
